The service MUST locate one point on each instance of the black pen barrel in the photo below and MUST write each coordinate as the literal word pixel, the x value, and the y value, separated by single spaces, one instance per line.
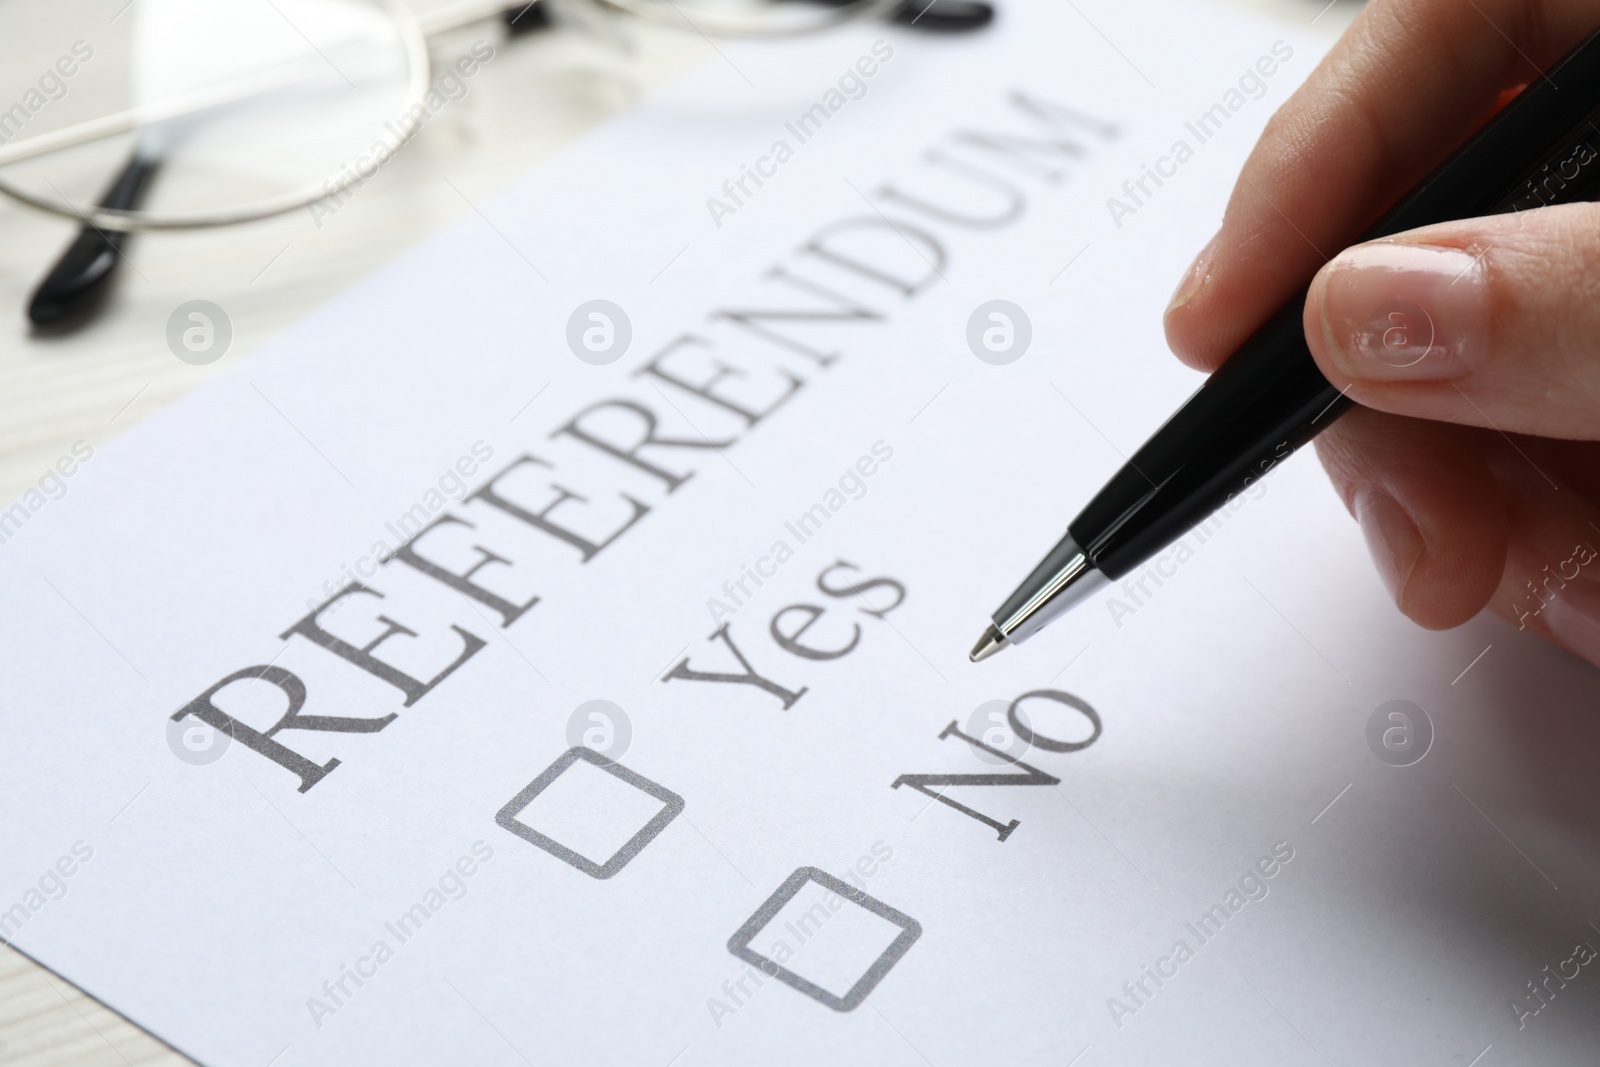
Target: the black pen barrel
pixel 1269 397
pixel 1250 415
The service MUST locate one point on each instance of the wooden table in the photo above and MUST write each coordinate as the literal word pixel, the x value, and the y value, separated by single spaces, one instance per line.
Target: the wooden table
pixel 540 92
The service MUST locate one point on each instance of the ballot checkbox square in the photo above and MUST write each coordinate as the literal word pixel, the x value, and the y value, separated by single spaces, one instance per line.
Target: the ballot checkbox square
pixel 873 923
pixel 596 821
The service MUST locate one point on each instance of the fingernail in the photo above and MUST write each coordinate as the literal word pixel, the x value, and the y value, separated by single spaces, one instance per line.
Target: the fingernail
pixel 1392 538
pixel 1195 277
pixel 1574 618
pixel 1399 312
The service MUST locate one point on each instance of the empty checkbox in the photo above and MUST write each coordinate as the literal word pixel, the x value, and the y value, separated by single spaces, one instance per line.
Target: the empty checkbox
pixel 826 938
pixel 590 812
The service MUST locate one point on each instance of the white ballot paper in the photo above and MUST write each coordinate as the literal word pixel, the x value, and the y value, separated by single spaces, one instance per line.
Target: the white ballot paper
pixel 554 650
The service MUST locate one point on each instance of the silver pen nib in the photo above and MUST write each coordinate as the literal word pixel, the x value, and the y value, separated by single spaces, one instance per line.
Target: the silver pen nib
pixel 991 642
pixel 1063 578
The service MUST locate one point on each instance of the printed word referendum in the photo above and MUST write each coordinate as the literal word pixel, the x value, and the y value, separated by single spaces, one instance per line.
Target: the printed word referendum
pixel 451 487
pixel 569 492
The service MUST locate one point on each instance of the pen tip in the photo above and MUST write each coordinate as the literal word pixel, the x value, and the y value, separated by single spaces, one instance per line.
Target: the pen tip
pixel 991 642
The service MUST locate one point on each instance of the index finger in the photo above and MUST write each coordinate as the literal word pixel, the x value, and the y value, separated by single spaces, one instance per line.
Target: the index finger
pixel 1405 85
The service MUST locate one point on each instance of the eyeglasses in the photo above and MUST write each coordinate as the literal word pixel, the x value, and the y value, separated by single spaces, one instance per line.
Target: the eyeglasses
pixel 210 112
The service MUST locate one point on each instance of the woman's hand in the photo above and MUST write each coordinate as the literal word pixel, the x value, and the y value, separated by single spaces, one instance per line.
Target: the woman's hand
pixel 1473 347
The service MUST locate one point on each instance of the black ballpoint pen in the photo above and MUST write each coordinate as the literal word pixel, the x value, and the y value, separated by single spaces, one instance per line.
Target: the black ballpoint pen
pixel 1269 398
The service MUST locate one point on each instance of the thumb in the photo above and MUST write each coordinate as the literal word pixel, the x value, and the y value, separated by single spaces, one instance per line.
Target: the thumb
pixel 1489 322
